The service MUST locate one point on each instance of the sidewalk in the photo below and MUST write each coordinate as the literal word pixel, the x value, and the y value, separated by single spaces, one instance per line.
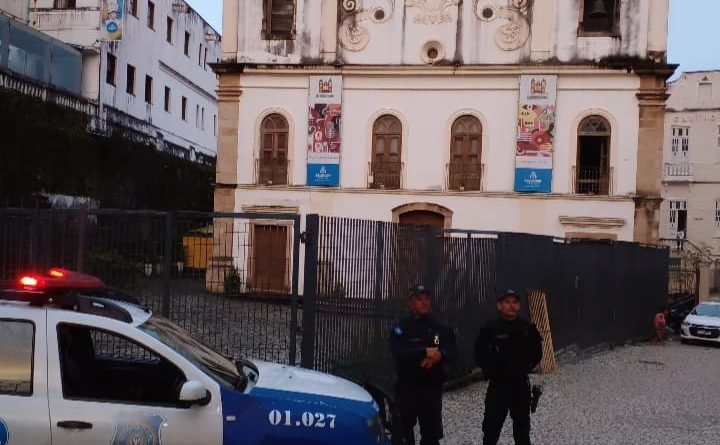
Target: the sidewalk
pixel 632 395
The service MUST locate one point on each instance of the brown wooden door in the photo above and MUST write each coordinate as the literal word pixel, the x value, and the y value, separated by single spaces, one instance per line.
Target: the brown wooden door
pixel 423 218
pixel 270 257
pixel 465 169
pixel 386 161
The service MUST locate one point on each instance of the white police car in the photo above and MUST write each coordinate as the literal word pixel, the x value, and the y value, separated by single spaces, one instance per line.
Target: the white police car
pixel 78 369
pixel 702 323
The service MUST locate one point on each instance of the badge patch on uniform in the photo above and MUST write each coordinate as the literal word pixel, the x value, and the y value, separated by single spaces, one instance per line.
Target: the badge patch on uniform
pixel 397 330
pixel 4 433
pixel 139 431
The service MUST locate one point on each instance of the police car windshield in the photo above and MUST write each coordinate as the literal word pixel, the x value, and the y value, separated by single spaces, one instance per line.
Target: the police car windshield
pixel 215 365
pixel 707 310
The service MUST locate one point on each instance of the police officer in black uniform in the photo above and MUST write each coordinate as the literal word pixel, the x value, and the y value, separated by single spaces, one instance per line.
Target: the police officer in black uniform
pixel 507 350
pixel 421 346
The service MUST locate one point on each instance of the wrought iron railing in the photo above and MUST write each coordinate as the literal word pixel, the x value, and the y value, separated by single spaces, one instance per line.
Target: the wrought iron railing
pixel 592 180
pixel 385 175
pixel 465 176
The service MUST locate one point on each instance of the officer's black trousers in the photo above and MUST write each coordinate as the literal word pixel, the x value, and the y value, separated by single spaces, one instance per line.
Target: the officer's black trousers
pixel 423 405
pixel 501 397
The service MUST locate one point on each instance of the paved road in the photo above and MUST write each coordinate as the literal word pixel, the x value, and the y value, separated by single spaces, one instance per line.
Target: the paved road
pixel 633 395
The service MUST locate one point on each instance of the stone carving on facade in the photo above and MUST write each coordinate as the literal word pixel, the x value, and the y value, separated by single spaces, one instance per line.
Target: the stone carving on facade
pixel 514 34
pixel 352 34
pixel 433 12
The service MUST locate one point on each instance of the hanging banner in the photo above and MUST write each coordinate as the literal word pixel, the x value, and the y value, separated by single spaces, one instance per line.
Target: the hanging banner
pixel 112 13
pixel 536 134
pixel 323 162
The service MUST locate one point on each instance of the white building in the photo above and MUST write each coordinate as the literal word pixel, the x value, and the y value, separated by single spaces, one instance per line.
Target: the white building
pixel 17 9
pixel 691 181
pixel 156 81
pixel 540 116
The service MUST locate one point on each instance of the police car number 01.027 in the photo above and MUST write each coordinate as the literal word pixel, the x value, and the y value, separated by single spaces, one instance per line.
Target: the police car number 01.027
pixel 308 419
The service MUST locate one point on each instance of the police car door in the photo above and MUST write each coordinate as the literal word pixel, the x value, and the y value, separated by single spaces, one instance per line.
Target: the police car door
pixel 111 384
pixel 24 417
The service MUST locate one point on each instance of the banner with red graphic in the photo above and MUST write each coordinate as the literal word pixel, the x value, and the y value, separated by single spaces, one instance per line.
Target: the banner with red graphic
pixel 323 163
pixel 535 134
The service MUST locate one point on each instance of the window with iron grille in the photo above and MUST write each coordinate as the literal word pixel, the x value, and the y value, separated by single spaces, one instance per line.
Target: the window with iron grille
pixel 465 167
pixel 64 4
pixel 680 145
pixel 599 17
pixel 386 162
pixel 273 162
pixel 592 169
pixel 717 215
pixel 278 20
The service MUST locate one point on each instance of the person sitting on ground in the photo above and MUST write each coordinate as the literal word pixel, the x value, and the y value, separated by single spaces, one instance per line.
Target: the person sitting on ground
pixel 662 330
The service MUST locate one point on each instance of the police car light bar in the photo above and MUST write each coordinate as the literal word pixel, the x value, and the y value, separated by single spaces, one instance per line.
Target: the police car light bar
pixel 58 279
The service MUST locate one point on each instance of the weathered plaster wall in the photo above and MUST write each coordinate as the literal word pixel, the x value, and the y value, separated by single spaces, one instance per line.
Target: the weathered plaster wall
pixel 427 104
pixel 17 9
pixel 399 32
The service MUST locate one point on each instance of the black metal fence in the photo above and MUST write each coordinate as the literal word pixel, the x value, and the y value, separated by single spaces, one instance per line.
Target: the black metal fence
pixel 232 279
pixel 598 293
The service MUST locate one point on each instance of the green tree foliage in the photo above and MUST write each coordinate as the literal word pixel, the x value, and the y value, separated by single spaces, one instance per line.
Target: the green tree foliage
pixel 45 148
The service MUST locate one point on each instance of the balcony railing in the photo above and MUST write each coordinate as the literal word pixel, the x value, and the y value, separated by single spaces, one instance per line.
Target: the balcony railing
pixel 465 176
pixel 274 174
pixel 385 175
pixel 592 180
pixel 678 171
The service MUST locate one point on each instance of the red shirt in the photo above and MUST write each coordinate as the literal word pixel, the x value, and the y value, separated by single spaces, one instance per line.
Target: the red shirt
pixel 659 321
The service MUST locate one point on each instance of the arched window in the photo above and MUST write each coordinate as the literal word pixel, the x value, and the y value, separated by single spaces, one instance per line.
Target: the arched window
pixel 592 169
pixel 386 164
pixel 465 167
pixel 273 162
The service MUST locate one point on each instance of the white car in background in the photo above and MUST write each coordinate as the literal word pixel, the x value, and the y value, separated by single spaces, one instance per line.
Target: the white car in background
pixel 703 323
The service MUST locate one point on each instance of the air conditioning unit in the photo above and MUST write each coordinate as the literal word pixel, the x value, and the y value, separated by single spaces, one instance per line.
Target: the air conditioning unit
pixel 180 7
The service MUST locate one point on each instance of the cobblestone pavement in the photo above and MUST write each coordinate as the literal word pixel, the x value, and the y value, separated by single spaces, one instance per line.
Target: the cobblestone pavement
pixel 644 394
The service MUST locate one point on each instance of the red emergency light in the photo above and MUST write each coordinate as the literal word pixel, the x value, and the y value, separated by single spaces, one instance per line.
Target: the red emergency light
pixel 58 279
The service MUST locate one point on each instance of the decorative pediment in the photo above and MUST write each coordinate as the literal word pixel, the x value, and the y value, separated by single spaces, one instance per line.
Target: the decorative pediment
pixel 434 12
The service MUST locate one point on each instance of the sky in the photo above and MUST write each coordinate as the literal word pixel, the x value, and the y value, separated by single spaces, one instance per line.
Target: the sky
pixel 693 23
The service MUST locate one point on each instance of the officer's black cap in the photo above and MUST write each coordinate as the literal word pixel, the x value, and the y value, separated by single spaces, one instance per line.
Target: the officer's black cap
pixel 507 294
pixel 419 290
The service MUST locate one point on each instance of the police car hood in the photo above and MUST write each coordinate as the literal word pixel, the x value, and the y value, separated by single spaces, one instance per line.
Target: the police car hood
pixel 703 321
pixel 295 380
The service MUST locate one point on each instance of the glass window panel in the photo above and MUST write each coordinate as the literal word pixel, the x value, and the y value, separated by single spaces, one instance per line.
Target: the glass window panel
pixel 380 145
pixel 66 68
pixel 4 37
pixel 267 141
pixel 29 53
pixel 474 146
pixel 16 354
pixel 394 146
